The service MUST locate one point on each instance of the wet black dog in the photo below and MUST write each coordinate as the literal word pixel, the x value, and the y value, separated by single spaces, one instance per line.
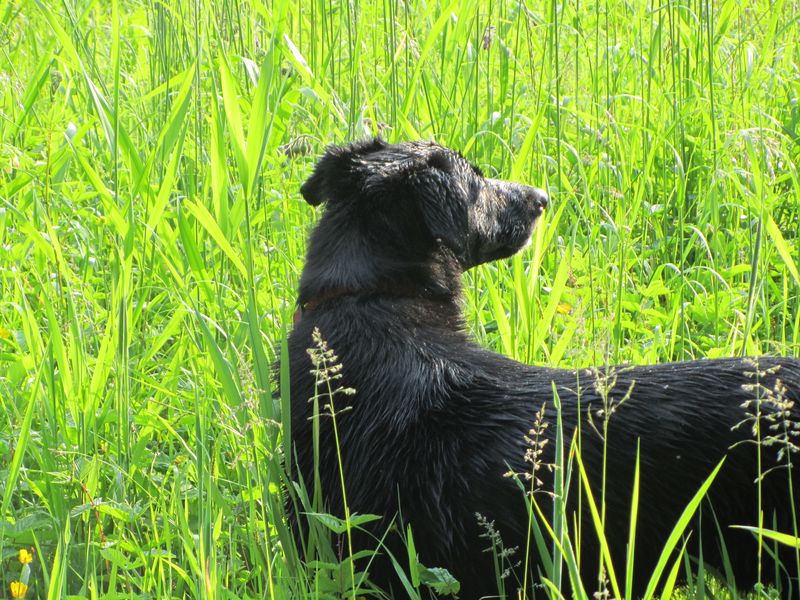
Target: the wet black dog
pixel 436 421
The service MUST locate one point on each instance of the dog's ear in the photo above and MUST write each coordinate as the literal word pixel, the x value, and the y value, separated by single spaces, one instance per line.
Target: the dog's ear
pixel 443 211
pixel 337 173
pixel 421 172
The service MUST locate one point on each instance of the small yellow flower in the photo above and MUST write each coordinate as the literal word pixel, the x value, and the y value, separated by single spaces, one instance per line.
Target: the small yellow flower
pixel 25 557
pixel 18 589
pixel 563 308
pixel 5 333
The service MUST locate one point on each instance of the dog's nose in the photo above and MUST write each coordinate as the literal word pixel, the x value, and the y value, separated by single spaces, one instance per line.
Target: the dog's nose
pixel 537 197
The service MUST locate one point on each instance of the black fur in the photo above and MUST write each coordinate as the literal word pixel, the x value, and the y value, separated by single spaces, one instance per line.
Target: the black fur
pixel 436 421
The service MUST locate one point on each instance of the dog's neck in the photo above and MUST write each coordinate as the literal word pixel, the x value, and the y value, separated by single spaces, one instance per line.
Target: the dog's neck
pixel 317 289
pixel 351 266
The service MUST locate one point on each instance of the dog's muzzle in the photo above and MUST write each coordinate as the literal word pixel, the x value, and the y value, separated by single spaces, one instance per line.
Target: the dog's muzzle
pixel 520 197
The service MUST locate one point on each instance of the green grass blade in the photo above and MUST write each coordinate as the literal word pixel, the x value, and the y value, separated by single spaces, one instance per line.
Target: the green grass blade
pixel 233 115
pixel 629 559
pixel 783 248
pixel 672 578
pixel 23 434
pixel 679 529
pixel 598 526
pixel 786 539
pixel 200 212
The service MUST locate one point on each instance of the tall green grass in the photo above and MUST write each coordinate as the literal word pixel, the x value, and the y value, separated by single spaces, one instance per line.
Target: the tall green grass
pixel 151 236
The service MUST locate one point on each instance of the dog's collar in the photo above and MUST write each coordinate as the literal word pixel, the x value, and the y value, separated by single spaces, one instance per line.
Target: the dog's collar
pixel 396 291
pixel 313 304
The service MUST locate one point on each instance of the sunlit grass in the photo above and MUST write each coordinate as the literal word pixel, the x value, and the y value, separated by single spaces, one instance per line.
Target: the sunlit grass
pixel 151 236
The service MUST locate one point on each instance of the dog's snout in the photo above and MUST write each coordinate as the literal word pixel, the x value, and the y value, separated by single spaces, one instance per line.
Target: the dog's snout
pixel 534 197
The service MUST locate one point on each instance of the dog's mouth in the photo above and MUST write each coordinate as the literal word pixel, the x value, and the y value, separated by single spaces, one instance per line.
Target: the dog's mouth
pixel 529 241
pixel 538 213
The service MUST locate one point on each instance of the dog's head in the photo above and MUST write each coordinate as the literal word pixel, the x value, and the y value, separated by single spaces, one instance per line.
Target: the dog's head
pixel 417 196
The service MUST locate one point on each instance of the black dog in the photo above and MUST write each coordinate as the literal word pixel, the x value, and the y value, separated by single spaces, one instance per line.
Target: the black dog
pixel 436 421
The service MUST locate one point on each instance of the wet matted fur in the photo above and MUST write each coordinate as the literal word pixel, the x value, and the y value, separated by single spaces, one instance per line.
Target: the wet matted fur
pixel 436 421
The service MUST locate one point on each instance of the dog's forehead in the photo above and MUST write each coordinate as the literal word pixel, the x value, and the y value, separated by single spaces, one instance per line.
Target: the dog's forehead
pixel 416 154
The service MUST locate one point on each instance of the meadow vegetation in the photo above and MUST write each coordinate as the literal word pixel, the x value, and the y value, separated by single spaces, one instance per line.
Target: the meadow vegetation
pixel 151 236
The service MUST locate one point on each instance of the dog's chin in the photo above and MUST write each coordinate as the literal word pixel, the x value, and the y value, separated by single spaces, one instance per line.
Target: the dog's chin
pixel 529 239
pixel 510 251
pixel 522 244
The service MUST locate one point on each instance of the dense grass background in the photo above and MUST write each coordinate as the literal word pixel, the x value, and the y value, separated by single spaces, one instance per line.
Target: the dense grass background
pixel 151 235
